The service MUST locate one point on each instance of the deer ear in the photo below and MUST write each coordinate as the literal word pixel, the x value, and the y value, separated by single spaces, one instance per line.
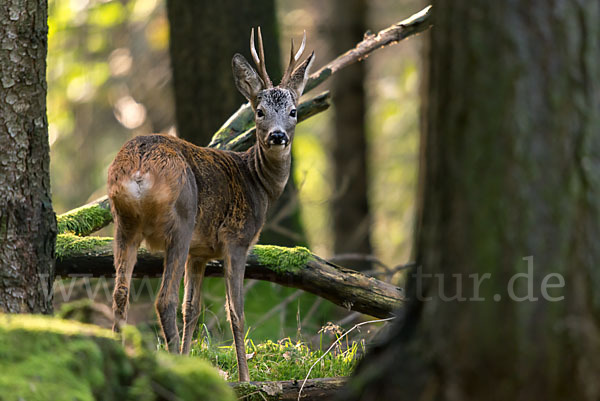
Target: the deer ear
pixel 246 79
pixel 300 76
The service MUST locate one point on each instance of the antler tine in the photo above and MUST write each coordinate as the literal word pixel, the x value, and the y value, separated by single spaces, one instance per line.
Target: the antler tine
pixel 259 59
pixel 293 60
pixel 301 50
pixel 253 49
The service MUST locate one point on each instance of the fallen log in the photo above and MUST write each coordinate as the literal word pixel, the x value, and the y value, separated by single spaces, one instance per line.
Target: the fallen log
pixel 291 267
pixel 287 390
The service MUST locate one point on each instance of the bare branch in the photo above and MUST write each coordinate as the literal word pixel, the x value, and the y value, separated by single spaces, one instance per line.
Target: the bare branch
pixel 413 25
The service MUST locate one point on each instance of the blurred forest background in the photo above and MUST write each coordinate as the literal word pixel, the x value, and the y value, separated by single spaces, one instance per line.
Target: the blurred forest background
pixel 110 78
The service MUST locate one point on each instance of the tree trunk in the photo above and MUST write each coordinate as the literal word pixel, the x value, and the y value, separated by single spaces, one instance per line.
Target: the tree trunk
pixel 349 206
pixel 27 222
pixel 204 37
pixel 509 197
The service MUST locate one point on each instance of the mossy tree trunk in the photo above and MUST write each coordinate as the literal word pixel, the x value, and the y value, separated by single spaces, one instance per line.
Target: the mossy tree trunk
pixel 509 184
pixel 27 222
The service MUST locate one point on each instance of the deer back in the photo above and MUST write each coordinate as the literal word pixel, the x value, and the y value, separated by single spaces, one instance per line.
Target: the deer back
pixel 155 176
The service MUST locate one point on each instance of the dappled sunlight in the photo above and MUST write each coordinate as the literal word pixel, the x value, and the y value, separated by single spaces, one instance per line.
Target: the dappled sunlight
pixel 104 86
pixel 130 113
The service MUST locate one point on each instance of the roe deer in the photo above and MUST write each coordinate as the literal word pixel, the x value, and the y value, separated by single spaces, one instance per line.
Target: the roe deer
pixel 199 204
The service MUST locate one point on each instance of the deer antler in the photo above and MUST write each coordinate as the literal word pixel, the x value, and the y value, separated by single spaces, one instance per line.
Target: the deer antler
pixel 260 61
pixel 293 60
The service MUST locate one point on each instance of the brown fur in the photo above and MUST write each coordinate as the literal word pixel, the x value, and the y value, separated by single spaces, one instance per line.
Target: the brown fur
pixel 198 204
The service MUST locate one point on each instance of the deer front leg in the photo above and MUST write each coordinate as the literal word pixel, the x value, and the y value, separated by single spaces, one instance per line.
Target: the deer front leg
pixel 125 251
pixel 194 274
pixel 235 266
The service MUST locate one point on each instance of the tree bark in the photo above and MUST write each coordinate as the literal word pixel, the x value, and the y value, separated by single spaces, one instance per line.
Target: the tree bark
pixel 27 222
pixel 349 206
pixel 291 267
pixel 509 185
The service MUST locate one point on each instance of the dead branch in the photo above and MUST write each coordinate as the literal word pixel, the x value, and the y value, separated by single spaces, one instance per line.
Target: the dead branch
pixel 413 25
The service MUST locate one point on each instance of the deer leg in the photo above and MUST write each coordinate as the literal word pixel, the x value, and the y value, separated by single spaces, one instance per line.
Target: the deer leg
pixel 177 245
pixel 168 294
pixel 125 251
pixel 235 266
pixel 194 274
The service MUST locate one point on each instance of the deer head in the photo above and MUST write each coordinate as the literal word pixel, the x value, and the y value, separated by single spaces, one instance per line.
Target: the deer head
pixel 274 107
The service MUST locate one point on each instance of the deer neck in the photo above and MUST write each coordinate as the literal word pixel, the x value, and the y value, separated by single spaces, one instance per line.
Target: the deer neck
pixel 271 170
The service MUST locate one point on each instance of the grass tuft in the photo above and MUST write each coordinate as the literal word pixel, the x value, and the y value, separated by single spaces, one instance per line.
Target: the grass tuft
pixel 282 360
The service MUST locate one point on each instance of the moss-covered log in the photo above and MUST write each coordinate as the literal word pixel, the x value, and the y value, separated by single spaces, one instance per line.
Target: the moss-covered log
pixel 86 219
pixel 292 267
pixel 314 389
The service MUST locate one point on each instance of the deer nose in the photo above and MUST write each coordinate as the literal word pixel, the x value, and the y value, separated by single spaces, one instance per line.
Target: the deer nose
pixel 278 138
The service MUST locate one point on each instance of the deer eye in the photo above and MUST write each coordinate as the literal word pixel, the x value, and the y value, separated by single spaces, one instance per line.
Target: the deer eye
pixel 260 113
pixel 293 113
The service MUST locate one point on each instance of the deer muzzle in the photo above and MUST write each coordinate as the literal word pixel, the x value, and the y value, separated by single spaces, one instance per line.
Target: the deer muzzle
pixel 278 138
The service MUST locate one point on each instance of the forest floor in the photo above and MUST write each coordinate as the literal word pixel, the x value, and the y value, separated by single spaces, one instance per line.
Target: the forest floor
pixel 282 360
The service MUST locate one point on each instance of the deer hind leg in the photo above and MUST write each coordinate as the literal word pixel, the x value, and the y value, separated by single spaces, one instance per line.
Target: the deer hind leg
pixel 178 237
pixel 235 266
pixel 194 275
pixel 126 244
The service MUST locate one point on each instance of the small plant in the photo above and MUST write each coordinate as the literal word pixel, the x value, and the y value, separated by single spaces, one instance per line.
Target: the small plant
pixel 281 360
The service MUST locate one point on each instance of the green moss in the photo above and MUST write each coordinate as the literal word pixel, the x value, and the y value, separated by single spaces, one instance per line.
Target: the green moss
pixel 36 324
pixel 71 243
pixel 84 220
pixel 190 378
pixel 44 358
pixel 282 259
pixel 80 310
